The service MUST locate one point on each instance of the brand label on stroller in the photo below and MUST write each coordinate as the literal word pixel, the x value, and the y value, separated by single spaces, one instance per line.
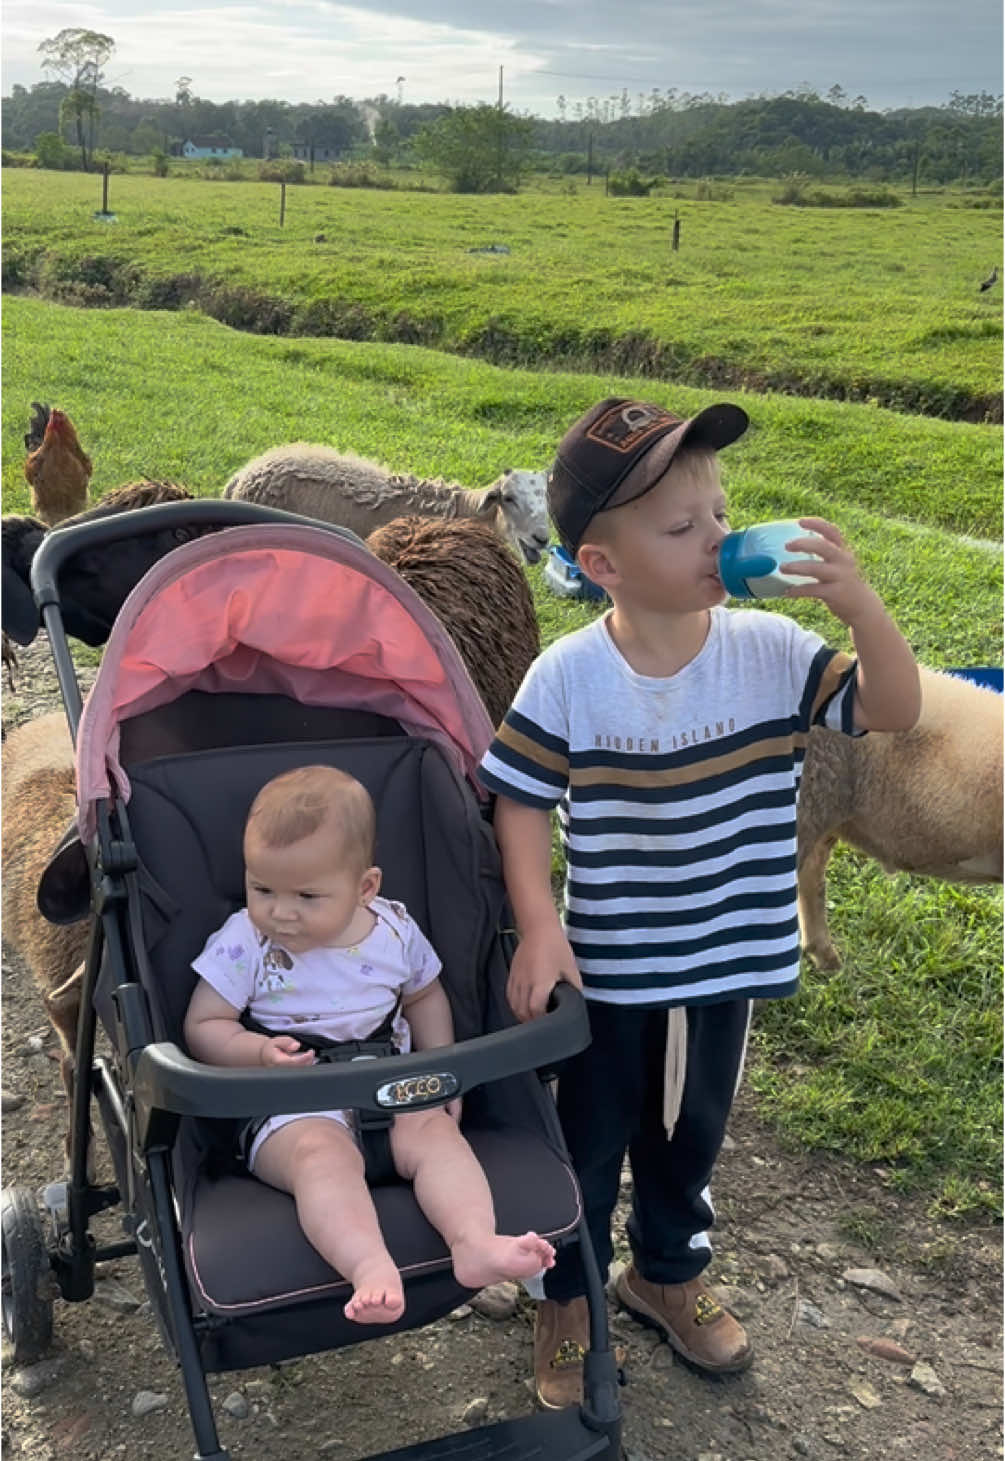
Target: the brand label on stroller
pixel 418 1089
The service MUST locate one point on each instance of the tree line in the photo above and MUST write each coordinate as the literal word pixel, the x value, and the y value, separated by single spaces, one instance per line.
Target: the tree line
pixel 666 133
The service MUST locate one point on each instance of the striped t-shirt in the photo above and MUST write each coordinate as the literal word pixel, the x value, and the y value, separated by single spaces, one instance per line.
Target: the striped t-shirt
pixel 677 802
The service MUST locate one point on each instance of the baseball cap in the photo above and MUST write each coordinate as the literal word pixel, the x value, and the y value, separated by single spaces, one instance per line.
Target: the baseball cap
pixel 618 450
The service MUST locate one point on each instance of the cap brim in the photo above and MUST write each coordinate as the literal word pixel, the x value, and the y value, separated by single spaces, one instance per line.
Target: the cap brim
pixel 716 426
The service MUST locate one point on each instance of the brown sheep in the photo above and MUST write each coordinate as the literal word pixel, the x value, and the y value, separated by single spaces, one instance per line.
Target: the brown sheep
pixel 39 802
pixel 463 571
pixel 927 800
pixel 145 493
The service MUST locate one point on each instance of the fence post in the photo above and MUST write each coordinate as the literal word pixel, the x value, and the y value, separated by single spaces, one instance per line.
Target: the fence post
pixel 104 187
pixel 675 239
pixel 282 203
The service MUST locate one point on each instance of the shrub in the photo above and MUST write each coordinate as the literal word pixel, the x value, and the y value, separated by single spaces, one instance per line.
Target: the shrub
pixel 51 152
pixel 358 175
pixel 795 194
pixel 793 189
pixel 159 159
pixel 281 170
pixel 707 191
pixel 630 184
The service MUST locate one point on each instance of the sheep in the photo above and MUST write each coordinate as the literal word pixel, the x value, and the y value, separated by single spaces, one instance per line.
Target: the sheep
pixel 39 802
pixel 147 492
pixel 96 581
pixel 927 800
pixel 341 488
pixel 476 588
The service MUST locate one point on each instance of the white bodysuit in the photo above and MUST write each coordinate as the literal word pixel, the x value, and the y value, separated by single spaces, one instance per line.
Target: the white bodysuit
pixel 340 993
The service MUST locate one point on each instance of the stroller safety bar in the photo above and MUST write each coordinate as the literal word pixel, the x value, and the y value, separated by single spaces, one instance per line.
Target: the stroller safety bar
pixel 168 1080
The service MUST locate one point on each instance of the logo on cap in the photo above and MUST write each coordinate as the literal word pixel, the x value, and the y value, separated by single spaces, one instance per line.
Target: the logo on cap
pixel 624 427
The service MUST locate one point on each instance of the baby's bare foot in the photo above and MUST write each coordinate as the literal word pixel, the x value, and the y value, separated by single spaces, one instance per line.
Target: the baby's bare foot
pixel 378 1297
pixel 484 1260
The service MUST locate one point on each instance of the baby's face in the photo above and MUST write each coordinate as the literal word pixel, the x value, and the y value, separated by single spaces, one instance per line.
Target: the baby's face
pixel 305 896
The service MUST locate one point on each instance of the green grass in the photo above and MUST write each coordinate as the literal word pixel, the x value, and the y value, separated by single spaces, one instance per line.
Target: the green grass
pixel 854 304
pixel 896 1059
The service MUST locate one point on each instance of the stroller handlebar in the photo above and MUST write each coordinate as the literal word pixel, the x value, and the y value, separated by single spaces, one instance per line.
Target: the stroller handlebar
pixel 168 1080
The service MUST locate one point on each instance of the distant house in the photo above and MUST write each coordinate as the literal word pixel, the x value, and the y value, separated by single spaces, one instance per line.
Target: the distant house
pixel 321 153
pixel 216 145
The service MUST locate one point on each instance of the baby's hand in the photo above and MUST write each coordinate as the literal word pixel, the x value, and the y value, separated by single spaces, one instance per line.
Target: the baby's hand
pixel 283 1050
pixel 836 579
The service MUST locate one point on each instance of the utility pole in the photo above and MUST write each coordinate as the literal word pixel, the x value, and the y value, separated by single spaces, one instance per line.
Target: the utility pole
pixel 499 149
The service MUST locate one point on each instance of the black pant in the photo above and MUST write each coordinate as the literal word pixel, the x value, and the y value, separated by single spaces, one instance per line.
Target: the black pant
pixel 610 1099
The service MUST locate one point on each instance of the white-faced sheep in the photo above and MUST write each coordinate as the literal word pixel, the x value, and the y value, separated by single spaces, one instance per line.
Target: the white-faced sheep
pixel 927 800
pixel 477 590
pixel 338 487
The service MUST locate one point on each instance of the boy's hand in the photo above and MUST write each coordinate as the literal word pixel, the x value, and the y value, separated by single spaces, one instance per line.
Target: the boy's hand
pixel 540 961
pixel 284 1050
pixel 837 581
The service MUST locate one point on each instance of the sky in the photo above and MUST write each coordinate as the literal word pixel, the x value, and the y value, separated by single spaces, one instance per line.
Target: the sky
pixel 893 52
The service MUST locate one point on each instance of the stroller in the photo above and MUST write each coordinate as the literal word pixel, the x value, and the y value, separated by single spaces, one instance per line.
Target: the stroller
pixel 272 643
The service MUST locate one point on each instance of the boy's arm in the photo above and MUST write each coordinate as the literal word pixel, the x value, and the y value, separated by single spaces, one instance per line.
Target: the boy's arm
pixel 215 1035
pixel 887 690
pixel 543 955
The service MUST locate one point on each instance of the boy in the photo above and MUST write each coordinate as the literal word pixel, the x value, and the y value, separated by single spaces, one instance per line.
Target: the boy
pixel 316 950
pixel 670 733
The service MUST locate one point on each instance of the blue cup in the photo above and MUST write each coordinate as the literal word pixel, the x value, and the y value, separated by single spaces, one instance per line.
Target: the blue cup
pixel 749 560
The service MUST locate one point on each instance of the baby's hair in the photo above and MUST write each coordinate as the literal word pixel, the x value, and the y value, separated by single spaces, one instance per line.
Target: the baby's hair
pixel 299 803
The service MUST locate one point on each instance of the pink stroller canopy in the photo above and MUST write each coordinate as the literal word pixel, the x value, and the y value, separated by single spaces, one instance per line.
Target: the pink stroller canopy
pixel 285 610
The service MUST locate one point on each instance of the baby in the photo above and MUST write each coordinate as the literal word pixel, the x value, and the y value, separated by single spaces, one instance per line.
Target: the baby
pixel 317 950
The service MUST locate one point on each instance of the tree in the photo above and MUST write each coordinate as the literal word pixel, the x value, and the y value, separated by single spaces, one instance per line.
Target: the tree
pixel 78 58
pixel 481 149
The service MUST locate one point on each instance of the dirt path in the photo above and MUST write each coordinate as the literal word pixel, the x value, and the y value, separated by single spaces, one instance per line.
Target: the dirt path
pixel 791 1227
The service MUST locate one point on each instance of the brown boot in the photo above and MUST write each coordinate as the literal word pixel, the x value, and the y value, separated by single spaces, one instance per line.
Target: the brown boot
pixel 561 1339
pixel 698 1328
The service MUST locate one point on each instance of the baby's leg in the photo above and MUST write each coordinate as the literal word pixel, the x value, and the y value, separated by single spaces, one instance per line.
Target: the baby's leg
pixel 317 1160
pixel 452 1191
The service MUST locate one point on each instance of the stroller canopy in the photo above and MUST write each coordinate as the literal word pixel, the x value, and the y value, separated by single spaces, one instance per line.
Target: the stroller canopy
pixel 281 609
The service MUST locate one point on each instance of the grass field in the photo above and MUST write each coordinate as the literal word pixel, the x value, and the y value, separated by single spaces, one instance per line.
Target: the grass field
pixel 870 305
pixel 896 1059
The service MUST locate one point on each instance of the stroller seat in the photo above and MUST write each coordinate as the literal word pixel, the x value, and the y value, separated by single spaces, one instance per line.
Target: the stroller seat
pixel 243 1247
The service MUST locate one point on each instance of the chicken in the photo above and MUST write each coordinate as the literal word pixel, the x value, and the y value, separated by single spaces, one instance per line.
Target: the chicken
pixel 57 468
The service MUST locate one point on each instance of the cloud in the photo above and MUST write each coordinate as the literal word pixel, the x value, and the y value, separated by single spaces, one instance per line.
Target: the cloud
pixel 894 51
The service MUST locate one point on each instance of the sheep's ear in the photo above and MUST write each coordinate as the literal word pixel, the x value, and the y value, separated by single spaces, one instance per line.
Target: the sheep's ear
pixel 490 500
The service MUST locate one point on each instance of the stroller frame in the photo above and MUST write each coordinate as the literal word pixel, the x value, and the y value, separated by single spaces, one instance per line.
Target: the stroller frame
pixel 166 1086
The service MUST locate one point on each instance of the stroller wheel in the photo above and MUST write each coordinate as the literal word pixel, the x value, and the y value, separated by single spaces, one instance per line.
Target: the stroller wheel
pixel 26 1289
